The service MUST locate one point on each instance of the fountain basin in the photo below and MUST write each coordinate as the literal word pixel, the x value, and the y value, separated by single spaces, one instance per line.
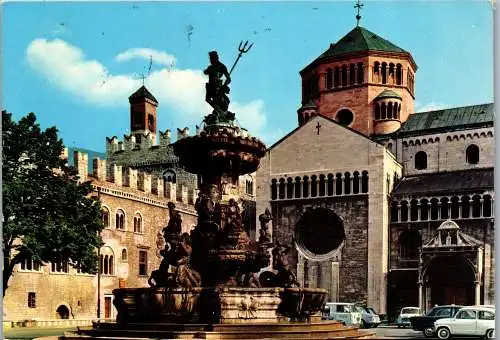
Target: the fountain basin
pixel 301 304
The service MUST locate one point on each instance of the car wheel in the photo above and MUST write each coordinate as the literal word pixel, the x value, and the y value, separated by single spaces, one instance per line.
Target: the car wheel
pixel 490 334
pixel 429 332
pixel 443 333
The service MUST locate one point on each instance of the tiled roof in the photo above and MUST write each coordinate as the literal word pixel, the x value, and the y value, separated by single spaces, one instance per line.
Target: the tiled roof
pixel 142 92
pixel 388 94
pixel 446 182
pixel 449 119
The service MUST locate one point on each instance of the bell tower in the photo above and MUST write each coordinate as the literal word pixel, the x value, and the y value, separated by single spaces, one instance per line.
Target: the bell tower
pixel 143 114
pixel 362 81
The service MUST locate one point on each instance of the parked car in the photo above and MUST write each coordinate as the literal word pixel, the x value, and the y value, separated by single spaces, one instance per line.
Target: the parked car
pixel 341 311
pixel 405 314
pixel 369 318
pixel 425 323
pixel 468 321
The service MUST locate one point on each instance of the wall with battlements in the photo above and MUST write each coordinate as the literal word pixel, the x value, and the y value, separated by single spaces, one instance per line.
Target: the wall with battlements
pixel 130 251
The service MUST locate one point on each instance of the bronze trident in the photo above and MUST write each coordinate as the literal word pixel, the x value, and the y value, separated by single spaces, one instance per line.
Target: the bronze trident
pixel 243 49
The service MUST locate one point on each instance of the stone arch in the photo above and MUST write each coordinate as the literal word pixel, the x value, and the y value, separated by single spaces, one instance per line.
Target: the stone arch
pixel 421 160
pixel 411 143
pixel 329 78
pixel 482 135
pixel 355 182
pixel 424 209
pixel 377 111
pixel 338 184
pixel 455 138
pixel 169 176
pixel 413 210
pixel 389 110
pixel 274 189
pixel 107 261
pixel 455 207
pixel 476 206
pixel 383 111
pixel 314 186
pixel 364 182
pixel 336 76
pixel 476 135
pixel 360 74
pixel 319 221
pixel 448 138
pixel 347 183
pixel 384 72
pixel 394 211
pixel 352 74
pixel 424 141
pixel 434 209
pixel 124 255
pixel 405 144
pixel 399 74
pixel 330 185
pixel 305 186
pixel 409 243
pixel 63 311
pixel 281 188
pixel 468 136
pixel 487 206
pixel 322 188
pixel 298 186
pixel 289 187
pixel 472 154
pixel 417 142
pixel 461 137
pixel 465 206
pixel 444 208
pixel 489 134
pixel 404 211
pixel 436 139
pixel 344 75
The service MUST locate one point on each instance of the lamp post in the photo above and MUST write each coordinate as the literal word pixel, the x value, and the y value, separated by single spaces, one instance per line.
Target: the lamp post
pixel 99 269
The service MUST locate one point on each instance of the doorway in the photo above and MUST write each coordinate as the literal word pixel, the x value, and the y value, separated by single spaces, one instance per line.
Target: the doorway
pixel 107 307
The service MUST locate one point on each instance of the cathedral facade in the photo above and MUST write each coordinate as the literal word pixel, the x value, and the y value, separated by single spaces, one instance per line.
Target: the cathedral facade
pixel 382 205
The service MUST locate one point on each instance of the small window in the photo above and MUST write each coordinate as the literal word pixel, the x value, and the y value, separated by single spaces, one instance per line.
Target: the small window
pixel 345 117
pixel 484 315
pixel 124 254
pixel 143 262
pixel 420 160
pixel 466 314
pixel 31 300
pixel 472 154
pixel 138 224
pixel 105 217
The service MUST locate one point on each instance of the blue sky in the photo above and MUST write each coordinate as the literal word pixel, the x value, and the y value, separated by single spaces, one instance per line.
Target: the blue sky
pixel 75 64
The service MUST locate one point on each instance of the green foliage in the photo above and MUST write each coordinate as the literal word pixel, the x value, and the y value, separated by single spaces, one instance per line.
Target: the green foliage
pixel 46 212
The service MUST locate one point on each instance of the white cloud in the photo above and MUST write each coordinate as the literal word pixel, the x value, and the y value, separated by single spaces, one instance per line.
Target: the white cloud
pixel 432 106
pixel 158 57
pixel 181 92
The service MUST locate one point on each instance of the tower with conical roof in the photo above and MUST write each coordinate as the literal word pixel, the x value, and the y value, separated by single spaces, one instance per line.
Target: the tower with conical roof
pixel 363 81
pixel 143 114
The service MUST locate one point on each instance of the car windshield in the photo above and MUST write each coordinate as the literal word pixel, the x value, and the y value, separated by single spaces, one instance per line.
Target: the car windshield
pixel 410 310
pixel 360 309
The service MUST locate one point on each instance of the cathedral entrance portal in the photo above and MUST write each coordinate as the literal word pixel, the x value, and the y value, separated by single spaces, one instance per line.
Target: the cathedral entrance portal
pixel 320 237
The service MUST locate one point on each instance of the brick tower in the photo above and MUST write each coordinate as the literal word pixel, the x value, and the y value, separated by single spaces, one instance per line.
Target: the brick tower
pixel 143 114
pixel 363 81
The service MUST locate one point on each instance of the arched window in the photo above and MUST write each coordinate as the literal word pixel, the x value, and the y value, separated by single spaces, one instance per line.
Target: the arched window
pixel 383 111
pixel 409 243
pixel 344 75
pixel 384 73
pixel 476 206
pixel 434 209
pixel 305 187
pixel 486 206
pixel 352 74
pixel 364 182
pixel 376 68
pixel 347 183
pixel 444 208
pixel 329 78
pixel 314 186
pixel 391 71
pixel 120 219
pixel 355 182
pixel 169 176
pixel 424 210
pixel 138 223
pixel 394 211
pixel 395 111
pixel 472 154
pixel 297 187
pixel 336 77
pixel 455 207
pixel 360 73
pixel 338 184
pixel 322 185
pixel 289 187
pixel 404 211
pixel 281 189
pixel 105 217
pixel 106 261
pixel 399 74
pixel 330 185
pixel 465 207
pixel 420 160
pixel 389 110
pixel 124 254
pixel 274 189
pixel 377 111
pixel 414 210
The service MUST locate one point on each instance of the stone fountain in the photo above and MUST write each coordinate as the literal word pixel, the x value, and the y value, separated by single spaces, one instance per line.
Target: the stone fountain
pixel 212 283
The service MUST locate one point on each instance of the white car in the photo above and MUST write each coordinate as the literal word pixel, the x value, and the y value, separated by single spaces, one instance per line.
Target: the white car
pixel 406 313
pixel 345 312
pixel 469 321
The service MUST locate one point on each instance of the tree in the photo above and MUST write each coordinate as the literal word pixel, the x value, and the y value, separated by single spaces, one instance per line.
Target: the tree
pixel 47 212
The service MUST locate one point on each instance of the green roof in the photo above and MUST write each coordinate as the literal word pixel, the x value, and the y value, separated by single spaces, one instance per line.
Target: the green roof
pixel 449 119
pixel 388 94
pixel 360 39
pixel 141 93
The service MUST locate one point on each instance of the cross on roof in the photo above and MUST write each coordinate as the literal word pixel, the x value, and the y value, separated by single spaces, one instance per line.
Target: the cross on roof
pixel 358 6
pixel 317 127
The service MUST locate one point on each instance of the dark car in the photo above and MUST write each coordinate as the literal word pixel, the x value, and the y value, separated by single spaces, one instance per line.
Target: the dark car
pixel 425 323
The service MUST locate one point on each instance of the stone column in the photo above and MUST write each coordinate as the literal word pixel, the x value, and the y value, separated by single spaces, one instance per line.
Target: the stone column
pixel 334 284
pixel 419 212
pixel 399 212
pixel 439 209
pixel 449 208
pixel 421 296
pixel 300 270
pixel 477 292
pixel 481 204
